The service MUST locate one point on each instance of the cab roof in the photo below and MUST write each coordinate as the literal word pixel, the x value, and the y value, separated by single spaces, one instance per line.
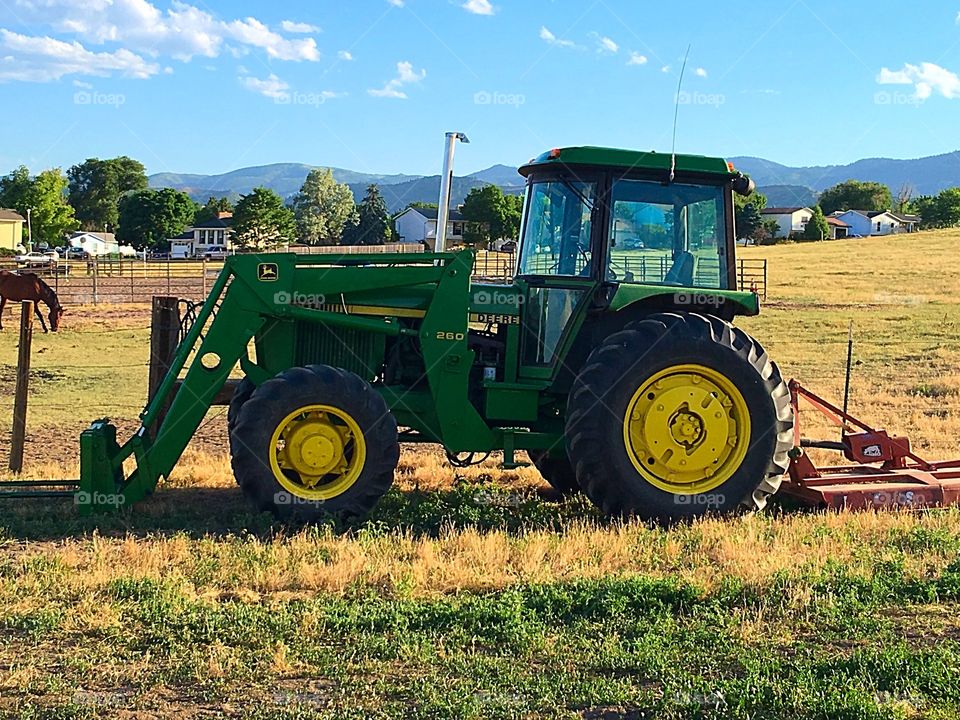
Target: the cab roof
pixel 628 160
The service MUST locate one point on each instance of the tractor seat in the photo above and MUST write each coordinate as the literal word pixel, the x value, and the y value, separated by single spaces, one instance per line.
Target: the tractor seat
pixel 681 273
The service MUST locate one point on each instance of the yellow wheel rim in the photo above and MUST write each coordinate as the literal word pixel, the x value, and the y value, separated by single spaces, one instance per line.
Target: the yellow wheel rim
pixel 687 429
pixel 317 452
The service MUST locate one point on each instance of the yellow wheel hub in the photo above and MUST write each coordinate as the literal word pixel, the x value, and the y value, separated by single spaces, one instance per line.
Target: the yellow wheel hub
pixel 317 452
pixel 687 429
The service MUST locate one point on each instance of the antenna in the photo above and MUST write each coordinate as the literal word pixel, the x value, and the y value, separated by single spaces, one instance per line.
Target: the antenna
pixel 676 115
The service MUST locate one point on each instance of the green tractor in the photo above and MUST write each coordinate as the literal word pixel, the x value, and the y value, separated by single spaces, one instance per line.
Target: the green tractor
pixel 610 359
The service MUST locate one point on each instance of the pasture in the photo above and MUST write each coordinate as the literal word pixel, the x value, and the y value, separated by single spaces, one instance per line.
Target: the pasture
pixel 473 593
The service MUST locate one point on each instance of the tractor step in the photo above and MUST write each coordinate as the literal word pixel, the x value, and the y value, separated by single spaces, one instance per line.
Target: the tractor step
pixel 887 475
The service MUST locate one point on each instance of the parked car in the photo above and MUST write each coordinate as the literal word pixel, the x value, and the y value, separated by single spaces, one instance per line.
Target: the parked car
pixel 215 255
pixel 509 246
pixel 36 259
pixel 75 253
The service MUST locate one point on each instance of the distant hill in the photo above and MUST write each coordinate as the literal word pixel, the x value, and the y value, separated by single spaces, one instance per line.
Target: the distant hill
pixel 783 185
pixel 927 176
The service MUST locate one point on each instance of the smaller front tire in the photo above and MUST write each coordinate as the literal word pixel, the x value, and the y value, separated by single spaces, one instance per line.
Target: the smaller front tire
pixel 315 441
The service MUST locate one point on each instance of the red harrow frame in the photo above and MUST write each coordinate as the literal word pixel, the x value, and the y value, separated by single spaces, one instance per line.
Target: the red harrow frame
pixel 888 474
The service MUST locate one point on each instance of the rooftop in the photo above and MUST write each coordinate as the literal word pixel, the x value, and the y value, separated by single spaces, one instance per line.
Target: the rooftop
pixel 782 210
pixel 431 214
pixel 10 215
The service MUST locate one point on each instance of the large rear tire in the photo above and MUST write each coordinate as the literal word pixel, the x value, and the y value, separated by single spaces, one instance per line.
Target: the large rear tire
pixel 315 441
pixel 557 471
pixel 676 416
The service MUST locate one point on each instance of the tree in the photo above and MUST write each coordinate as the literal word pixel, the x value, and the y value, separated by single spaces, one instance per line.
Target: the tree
pixel 513 205
pixel 939 211
pixel 373 221
pixel 747 216
pixel 903 198
pixel 323 208
pixel 855 195
pixel 212 209
pixel 96 187
pixel 817 227
pixel 261 219
pixel 148 218
pixel 51 217
pixel 487 213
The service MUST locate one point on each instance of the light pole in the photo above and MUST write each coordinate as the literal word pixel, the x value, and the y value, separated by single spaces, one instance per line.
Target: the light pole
pixel 29 232
pixel 446 183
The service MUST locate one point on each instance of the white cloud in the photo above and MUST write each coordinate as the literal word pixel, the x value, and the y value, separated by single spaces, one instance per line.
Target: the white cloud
pixel 925 78
pixel 552 39
pixel 396 3
pixel 270 86
pixel 637 59
pixel 291 26
pixel 700 72
pixel 665 69
pixel 345 55
pixel 41 59
pixel 608 45
pixel 406 75
pixel 138 28
pixel 82 84
pixel 479 7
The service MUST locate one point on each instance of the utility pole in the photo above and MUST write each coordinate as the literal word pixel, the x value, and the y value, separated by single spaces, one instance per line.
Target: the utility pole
pixel 29 232
pixel 446 183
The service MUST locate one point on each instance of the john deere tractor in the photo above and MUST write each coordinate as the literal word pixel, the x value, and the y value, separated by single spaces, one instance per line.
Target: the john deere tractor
pixel 610 359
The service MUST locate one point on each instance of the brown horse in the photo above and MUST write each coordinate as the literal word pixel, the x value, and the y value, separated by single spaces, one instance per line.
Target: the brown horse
pixel 28 286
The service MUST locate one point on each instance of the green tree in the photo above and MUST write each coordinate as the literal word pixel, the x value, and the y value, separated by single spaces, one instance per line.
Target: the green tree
pixel 938 211
pixel 513 212
pixel 212 208
pixel 51 217
pixel 817 228
pixel 856 195
pixel 96 187
pixel 148 218
pixel 261 219
pixel 747 216
pixel 373 225
pixel 323 208
pixel 486 211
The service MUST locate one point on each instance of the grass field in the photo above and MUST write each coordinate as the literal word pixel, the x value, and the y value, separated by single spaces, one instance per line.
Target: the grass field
pixel 470 594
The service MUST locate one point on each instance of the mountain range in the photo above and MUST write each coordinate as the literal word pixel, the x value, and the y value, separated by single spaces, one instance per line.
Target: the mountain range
pixel 783 185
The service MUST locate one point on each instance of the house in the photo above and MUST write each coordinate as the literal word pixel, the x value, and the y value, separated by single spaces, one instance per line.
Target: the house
pixel 864 223
pixel 11 230
pixel 908 223
pixel 789 220
pixel 419 225
pixel 95 243
pixel 838 228
pixel 214 235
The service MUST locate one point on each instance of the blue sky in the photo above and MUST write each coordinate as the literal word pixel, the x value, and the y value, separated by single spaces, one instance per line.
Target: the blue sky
pixel 371 85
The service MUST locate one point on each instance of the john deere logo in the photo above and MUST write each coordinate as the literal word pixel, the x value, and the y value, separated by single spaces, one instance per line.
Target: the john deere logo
pixel 267 272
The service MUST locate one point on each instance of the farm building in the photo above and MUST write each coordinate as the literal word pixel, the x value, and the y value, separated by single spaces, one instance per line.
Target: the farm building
pixel 789 220
pixel 11 230
pixel 95 243
pixel 419 225
pixel 209 236
pixel 864 223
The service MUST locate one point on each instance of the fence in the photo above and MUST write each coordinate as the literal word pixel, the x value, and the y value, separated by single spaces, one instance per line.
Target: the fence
pixel 79 282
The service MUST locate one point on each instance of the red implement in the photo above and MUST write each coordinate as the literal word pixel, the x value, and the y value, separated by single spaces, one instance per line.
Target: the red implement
pixel 887 473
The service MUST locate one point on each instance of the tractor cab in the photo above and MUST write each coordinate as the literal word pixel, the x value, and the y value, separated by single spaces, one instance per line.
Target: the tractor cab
pixel 607 229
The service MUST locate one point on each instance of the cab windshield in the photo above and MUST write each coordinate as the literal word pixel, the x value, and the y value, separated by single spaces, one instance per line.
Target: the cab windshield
pixel 556 238
pixel 667 234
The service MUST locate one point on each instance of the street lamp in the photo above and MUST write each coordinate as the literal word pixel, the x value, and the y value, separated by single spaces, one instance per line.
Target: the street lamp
pixel 446 183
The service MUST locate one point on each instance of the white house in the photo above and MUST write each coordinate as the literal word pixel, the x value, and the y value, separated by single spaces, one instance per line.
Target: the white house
pixel 864 223
pixel 95 243
pixel 838 228
pixel 209 236
pixel 789 220
pixel 419 225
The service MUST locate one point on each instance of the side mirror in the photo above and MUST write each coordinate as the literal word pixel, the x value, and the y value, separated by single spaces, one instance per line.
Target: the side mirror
pixel 743 185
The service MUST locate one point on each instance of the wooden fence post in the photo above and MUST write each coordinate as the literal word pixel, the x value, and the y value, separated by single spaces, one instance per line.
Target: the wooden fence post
pixel 96 272
pixel 164 338
pixel 19 434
